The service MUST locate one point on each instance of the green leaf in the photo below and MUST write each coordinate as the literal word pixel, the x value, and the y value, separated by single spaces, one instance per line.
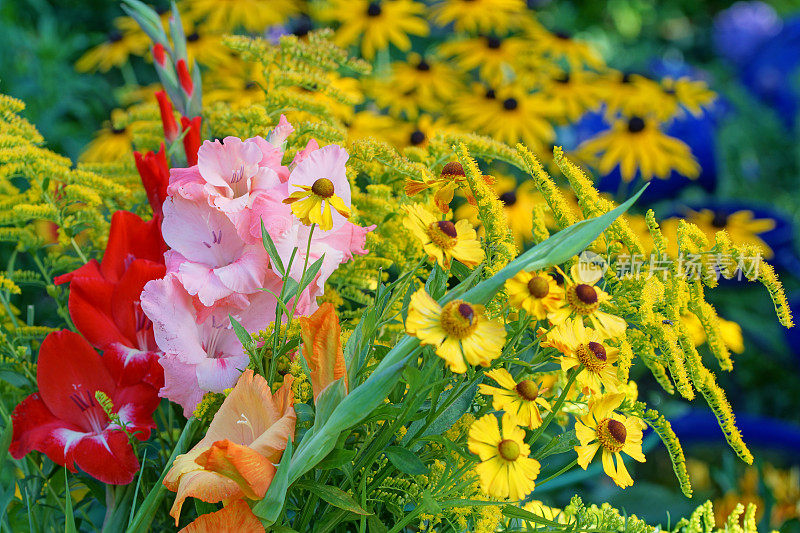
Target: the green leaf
pixel 308 275
pixel 272 251
pixel 269 508
pixel 69 519
pixel 521 514
pixel 334 496
pixel 241 333
pixel 282 529
pixel 436 285
pixel 562 443
pixel 336 459
pixel 405 460
pixel 204 508
pixel 147 19
pixel 177 35
pixel 326 402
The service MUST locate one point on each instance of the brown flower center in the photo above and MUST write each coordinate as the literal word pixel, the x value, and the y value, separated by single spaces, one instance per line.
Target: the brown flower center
pixel 538 287
pixel 612 434
pixel 592 356
pixel 459 319
pixel 453 168
pixel 509 449
pixel 582 299
pixel 527 390
pixel 323 187
pixel 443 234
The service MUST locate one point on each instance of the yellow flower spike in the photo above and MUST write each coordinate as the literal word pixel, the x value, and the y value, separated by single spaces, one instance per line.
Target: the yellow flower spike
pixel 505 470
pixel 460 331
pixel 312 204
pixel 664 430
pixel 521 401
pixel 562 212
pixel 612 434
pixel 442 240
pixel 540 231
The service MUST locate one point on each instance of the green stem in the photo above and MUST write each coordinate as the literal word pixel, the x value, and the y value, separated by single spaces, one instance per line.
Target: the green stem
pixel 551 477
pixel 557 406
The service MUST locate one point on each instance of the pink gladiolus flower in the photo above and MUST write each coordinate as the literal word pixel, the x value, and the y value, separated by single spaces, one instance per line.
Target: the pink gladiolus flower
pixel 207 254
pixel 204 356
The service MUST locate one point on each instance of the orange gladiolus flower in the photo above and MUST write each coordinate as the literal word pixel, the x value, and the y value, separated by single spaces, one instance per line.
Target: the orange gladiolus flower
pixel 245 440
pixel 236 516
pixel 322 347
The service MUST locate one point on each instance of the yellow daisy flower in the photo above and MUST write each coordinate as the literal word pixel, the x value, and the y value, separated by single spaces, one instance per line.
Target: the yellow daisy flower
pixel 684 93
pixel 614 433
pixel 505 469
pixel 494 57
pixel 536 292
pixel 312 204
pixel 112 143
pixel 460 331
pixel 742 228
pixel 125 40
pixel 422 130
pixel 637 143
pixel 629 94
pixel 442 240
pixel 431 81
pixel 572 95
pixel 561 46
pixel 583 299
pixel 451 179
pixel 376 24
pixel 229 15
pixel 584 347
pixel 479 16
pixel 521 401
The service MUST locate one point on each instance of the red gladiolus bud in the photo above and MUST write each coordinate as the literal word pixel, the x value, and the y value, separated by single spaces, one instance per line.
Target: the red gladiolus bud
pixel 171 131
pixel 184 77
pixel 191 141
pixel 159 54
pixel 154 171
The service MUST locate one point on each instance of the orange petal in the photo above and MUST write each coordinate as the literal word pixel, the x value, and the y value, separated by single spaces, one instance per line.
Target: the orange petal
pixel 251 471
pixel 413 187
pixel 236 517
pixel 322 347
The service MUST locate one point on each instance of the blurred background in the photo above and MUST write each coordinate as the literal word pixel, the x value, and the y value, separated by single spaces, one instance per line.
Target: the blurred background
pixel 69 60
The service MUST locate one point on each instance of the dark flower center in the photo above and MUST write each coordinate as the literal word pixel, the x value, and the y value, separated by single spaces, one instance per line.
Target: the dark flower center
pixel 564 78
pixel 117 131
pixel 720 220
pixel 598 350
pixel 510 104
pixel 417 137
pixel 374 9
pixel 635 124
pixel 562 35
pixel 114 36
pixel 323 187
pixel 586 294
pixel 448 228
pixel 453 168
pixel 538 287
pixel 508 198
pixel 490 94
pixel 466 311
pixel 192 37
pixel 559 279
pixel 493 42
pixel 302 26
pixel 617 430
pixel 423 65
pixel 528 390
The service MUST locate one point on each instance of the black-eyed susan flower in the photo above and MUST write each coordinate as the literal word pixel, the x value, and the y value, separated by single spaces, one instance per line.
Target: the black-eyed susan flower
pixel 572 94
pixel 229 15
pixel 479 16
pixel 422 130
pixel 742 227
pixel 125 40
pixel 535 292
pixel 460 331
pixel 314 195
pixel 376 24
pixel 582 299
pixel 494 57
pixel 638 144
pixel 442 240
pixel 505 470
pixel 613 433
pixel 685 93
pixel 522 401
pixel 584 348
pixel 112 143
pixel 431 80
pixel 629 93
pixel 560 46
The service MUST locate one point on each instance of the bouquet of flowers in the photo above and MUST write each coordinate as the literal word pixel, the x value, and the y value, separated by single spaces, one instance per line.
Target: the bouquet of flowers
pixel 271 323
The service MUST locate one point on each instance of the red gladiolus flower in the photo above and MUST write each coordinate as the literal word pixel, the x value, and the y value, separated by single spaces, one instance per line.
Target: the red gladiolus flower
pixel 64 420
pixel 167 117
pixel 191 142
pixel 158 54
pixel 104 298
pixel 154 171
pixel 185 78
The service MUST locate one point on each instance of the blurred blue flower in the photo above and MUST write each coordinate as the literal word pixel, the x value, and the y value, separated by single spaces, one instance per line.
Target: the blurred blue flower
pixel 742 28
pixel 697 425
